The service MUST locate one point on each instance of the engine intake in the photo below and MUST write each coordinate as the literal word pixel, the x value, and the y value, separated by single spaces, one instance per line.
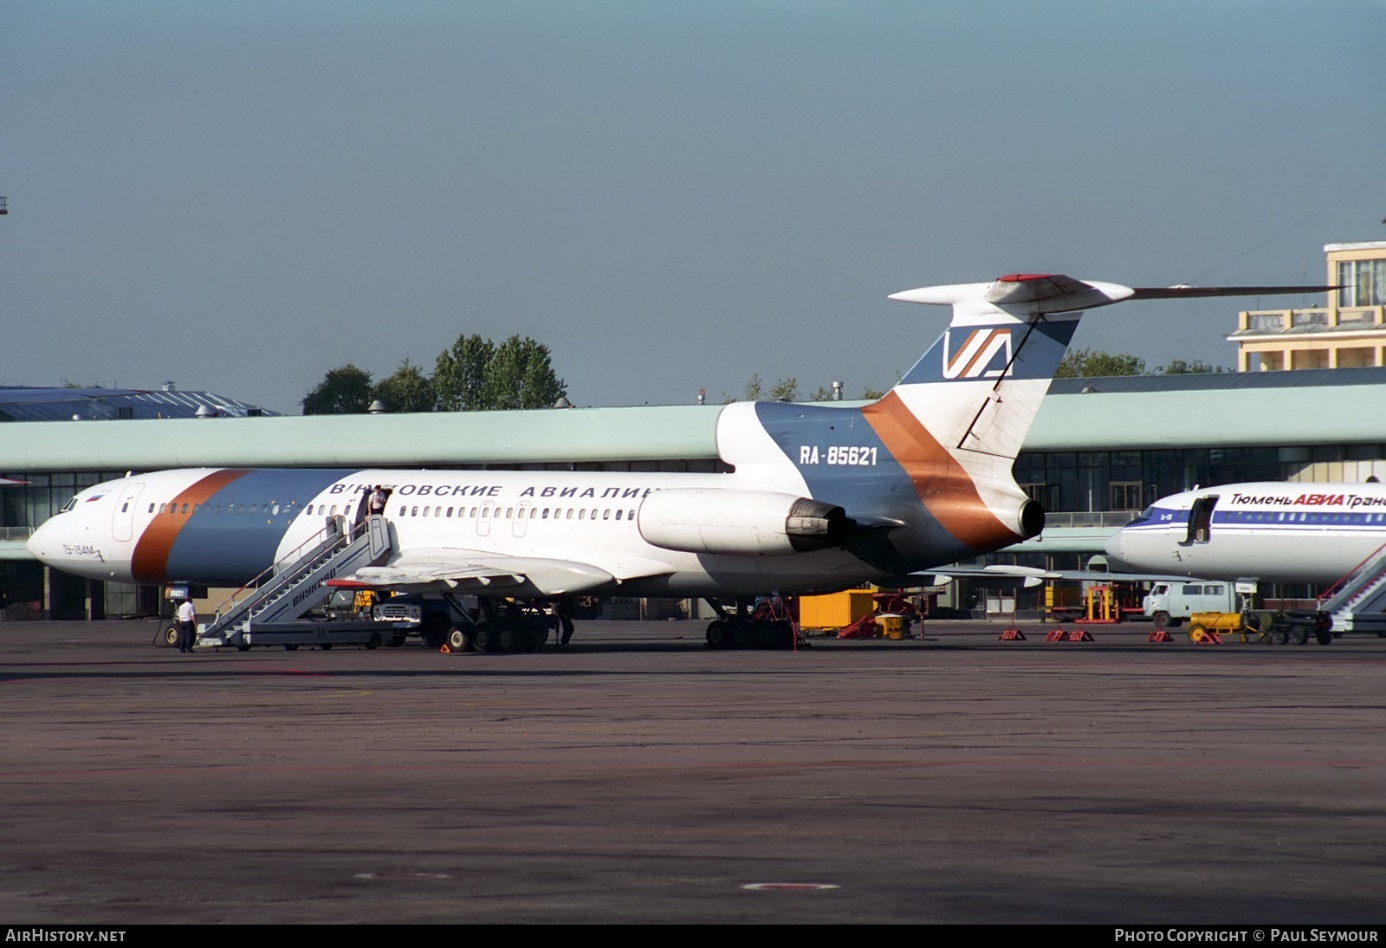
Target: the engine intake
pixel 729 521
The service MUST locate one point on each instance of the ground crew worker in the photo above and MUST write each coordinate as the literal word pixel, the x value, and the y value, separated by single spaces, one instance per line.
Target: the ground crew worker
pixel 187 626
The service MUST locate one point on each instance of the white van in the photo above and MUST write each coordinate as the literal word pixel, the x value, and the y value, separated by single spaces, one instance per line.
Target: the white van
pixel 1169 604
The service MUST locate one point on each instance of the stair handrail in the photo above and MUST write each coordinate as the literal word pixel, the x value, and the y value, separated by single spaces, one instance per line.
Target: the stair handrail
pixel 253 584
pixel 1334 589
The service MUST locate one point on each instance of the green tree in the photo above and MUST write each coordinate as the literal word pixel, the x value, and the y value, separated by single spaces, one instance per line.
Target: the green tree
pixel 1091 363
pixel 1180 367
pixel 520 375
pixel 785 390
pixel 407 390
pixel 459 375
pixel 754 390
pixel 345 390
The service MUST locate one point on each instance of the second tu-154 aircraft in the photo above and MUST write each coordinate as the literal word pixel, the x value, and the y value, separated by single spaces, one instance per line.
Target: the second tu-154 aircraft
pixel 1279 532
pixel 821 497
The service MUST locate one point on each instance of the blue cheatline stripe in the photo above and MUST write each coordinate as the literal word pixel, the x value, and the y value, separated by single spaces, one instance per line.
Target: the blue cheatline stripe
pixel 821 443
pixel 228 543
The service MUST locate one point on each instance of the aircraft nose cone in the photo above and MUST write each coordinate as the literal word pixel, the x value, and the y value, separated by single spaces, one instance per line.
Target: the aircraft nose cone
pixel 36 544
pixel 1114 546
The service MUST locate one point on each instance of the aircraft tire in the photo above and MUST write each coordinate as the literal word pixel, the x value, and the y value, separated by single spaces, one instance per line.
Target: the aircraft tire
pixel 291 648
pixel 717 634
pixel 326 646
pixel 507 640
pixel 457 639
pixel 483 640
pixel 742 635
pixel 169 638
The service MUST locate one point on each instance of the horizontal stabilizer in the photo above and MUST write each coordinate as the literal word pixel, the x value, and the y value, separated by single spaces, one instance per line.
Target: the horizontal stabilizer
pixel 1034 294
pixel 1184 291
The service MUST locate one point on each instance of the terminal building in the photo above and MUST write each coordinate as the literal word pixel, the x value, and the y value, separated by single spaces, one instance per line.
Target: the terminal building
pixel 1100 450
pixel 1349 332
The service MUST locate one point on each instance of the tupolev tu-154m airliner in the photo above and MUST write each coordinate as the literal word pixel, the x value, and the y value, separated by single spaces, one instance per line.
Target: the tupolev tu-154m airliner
pixel 821 497
pixel 1277 532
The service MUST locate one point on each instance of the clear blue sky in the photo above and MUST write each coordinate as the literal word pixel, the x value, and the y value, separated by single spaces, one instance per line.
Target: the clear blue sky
pixel 241 196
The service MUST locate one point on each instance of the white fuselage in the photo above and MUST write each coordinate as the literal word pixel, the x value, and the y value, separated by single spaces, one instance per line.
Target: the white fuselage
pixel 185 526
pixel 1278 532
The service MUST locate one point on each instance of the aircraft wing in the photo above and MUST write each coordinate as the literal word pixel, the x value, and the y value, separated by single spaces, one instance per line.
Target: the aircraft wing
pixel 471 571
pixel 1033 575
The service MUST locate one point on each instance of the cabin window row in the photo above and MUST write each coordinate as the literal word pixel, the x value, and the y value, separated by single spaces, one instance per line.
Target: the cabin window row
pixel 494 513
pixel 185 509
pixel 531 513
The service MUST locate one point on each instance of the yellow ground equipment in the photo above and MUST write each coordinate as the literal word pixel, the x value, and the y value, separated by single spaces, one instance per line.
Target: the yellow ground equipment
pixel 1102 605
pixel 891 626
pixel 835 610
pixel 1209 626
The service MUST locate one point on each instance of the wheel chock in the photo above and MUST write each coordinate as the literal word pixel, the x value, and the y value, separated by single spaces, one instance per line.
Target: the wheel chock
pixel 445 650
pixel 1205 637
pixel 1159 635
pixel 1012 635
pixel 1080 635
pixel 1056 635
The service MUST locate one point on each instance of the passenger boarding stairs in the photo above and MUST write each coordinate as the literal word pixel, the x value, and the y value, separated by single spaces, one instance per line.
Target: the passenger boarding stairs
pixel 1358 600
pixel 295 585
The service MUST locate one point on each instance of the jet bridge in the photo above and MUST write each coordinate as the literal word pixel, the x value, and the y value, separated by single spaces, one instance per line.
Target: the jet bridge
pixel 269 609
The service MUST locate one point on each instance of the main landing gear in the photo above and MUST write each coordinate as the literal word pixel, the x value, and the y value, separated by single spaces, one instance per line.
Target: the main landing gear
pixel 510 628
pixel 768 627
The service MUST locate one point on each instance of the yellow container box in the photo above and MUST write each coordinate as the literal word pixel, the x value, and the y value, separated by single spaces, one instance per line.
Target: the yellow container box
pixel 835 610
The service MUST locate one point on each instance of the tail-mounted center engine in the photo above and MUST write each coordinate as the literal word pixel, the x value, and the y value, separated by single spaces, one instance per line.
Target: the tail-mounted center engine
pixel 765 523
pixel 1031 519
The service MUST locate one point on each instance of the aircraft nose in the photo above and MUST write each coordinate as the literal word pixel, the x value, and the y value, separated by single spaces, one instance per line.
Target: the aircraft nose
pixel 1115 546
pixel 39 543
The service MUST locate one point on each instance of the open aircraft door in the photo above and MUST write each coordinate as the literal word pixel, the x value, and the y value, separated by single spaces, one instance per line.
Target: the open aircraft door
pixel 1201 520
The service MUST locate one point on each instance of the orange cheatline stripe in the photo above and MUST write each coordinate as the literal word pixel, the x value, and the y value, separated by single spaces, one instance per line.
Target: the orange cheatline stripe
pixel 943 485
pixel 149 563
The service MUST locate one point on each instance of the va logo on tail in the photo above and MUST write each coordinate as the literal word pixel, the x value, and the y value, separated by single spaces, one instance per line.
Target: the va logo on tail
pixel 977 353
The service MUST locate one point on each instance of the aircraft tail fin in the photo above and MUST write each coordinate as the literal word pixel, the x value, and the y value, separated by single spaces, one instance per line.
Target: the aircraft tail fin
pixel 946 436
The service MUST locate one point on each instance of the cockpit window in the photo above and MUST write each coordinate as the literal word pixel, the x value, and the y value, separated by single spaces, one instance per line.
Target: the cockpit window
pixel 1142 516
pixel 69 505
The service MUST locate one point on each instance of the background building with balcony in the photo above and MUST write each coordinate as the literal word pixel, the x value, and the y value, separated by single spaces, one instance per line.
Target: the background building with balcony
pixel 1350 332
